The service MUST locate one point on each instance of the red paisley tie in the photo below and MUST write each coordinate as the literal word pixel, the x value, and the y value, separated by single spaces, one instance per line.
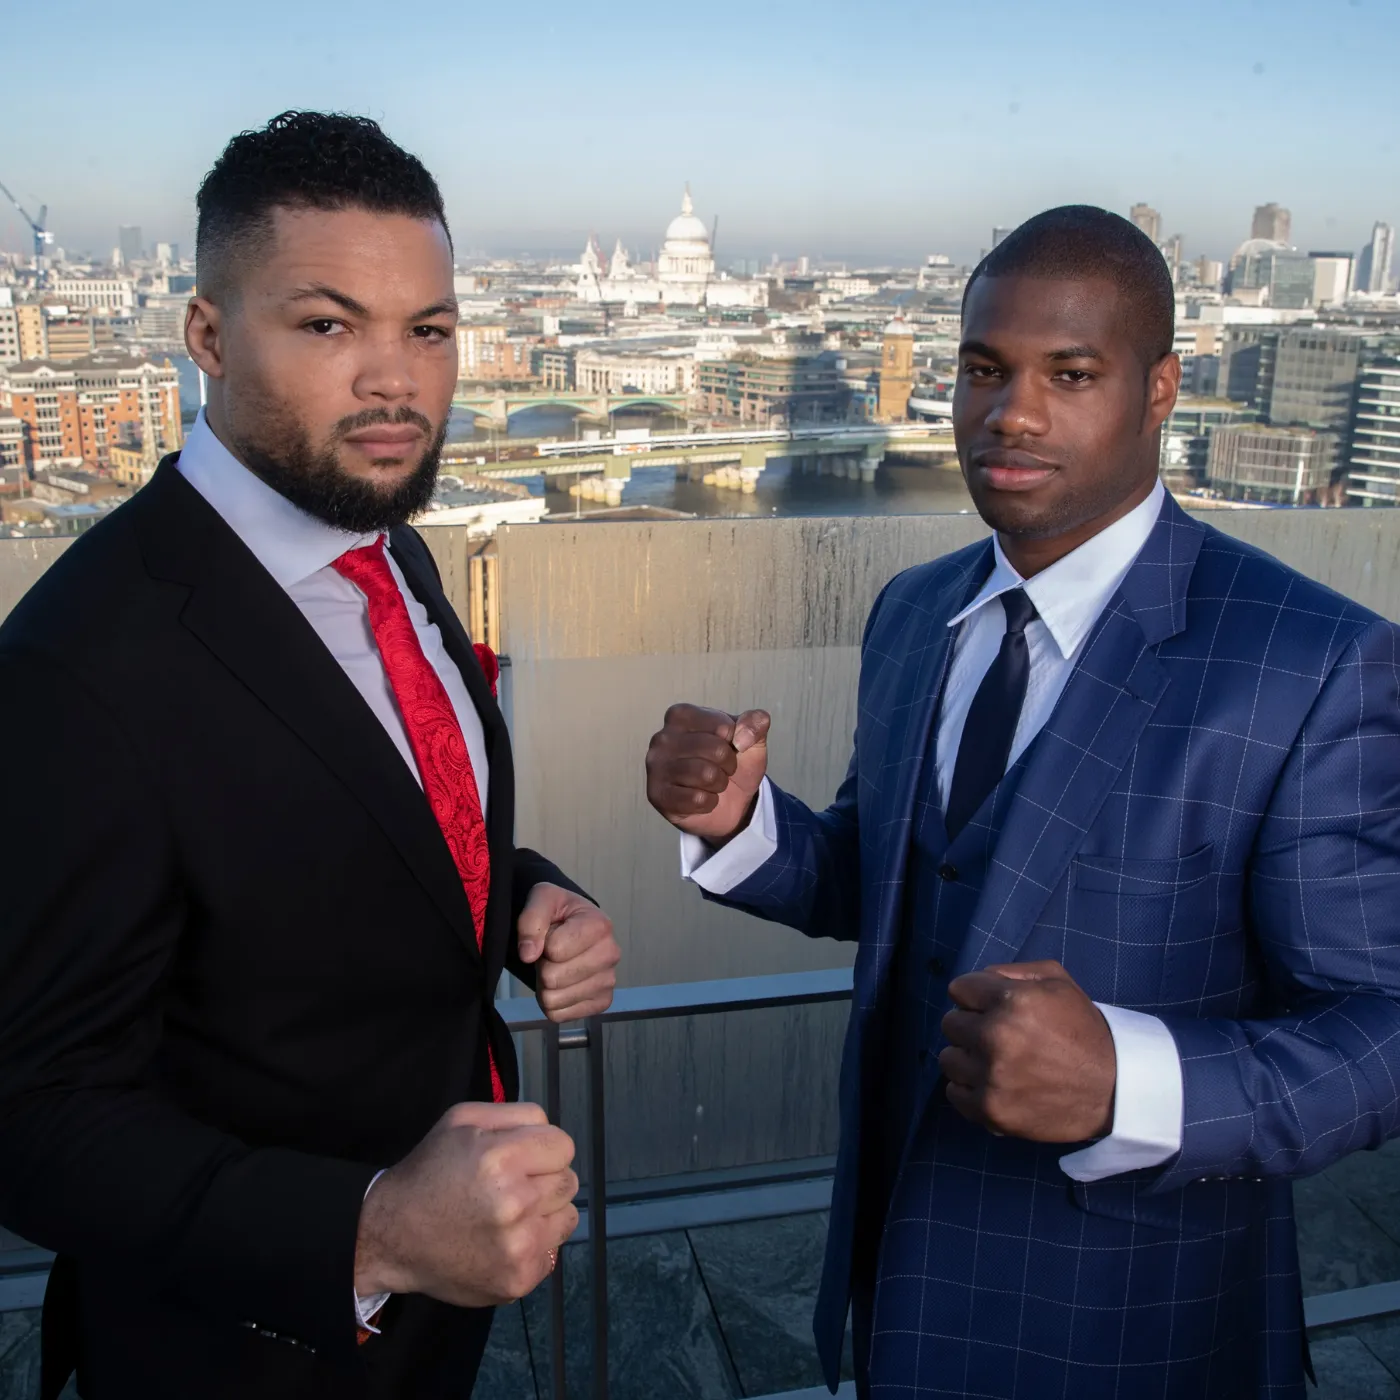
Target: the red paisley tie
pixel 433 734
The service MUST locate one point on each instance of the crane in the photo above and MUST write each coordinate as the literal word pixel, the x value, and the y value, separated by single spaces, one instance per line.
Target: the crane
pixel 42 237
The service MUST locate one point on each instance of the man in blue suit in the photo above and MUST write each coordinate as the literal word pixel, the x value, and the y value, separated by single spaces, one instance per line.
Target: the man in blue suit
pixel 1120 846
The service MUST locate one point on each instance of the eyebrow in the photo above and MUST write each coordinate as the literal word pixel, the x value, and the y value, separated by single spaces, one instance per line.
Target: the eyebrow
pixel 319 291
pixel 978 347
pixel 1076 352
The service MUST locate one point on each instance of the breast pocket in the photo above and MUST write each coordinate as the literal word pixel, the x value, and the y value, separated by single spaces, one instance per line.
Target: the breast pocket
pixel 1151 917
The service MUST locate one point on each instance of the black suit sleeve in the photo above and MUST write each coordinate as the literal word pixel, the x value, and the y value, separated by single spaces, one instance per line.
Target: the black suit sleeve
pixel 95 1161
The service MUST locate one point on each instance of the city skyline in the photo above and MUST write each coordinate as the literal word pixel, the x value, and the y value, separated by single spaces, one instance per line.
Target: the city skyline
pixel 798 140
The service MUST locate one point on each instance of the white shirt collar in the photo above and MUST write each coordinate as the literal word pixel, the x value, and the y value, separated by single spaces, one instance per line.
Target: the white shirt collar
pixel 1073 591
pixel 290 544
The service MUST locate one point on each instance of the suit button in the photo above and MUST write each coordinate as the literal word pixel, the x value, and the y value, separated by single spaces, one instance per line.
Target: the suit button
pixel 937 966
pixel 947 872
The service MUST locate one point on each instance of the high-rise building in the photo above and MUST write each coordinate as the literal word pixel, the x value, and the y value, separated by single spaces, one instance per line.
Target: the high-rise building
pixel 1148 220
pixel 9 328
pixel 1331 278
pixel 1209 272
pixel 129 244
pixel 1272 221
pixel 1172 251
pixel 1296 376
pixel 1374 264
pixel 896 372
pixel 1373 471
pixel 998 234
pixel 168 254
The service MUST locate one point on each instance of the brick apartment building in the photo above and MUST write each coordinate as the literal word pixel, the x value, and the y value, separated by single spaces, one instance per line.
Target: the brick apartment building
pixel 494 353
pixel 78 411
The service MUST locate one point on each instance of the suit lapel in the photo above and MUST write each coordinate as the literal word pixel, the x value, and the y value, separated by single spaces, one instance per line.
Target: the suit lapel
pixel 240 613
pixel 1112 692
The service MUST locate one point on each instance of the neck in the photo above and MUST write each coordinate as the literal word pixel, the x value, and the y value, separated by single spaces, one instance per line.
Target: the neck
pixel 1029 556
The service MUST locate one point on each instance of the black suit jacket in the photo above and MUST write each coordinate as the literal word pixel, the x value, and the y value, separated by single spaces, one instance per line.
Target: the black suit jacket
pixel 238 971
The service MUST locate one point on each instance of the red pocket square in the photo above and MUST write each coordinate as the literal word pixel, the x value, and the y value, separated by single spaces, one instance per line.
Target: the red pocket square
pixel 489 664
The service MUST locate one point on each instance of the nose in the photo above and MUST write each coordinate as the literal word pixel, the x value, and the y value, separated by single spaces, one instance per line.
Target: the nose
pixel 385 374
pixel 1020 409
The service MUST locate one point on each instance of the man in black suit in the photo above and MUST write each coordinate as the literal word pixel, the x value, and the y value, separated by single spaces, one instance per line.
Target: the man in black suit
pixel 252 1088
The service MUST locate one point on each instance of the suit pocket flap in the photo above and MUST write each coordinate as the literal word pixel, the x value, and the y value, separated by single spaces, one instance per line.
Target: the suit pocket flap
pixel 1142 877
pixel 1201 1208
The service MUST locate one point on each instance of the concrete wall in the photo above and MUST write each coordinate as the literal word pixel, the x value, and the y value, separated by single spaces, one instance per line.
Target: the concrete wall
pixel 605 625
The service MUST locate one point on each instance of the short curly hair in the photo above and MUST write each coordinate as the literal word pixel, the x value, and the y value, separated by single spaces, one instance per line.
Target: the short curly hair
pixel 1082 241
pixel 300 160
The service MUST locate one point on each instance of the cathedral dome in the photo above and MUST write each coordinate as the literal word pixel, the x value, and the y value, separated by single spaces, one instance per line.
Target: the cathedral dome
pixel 686 227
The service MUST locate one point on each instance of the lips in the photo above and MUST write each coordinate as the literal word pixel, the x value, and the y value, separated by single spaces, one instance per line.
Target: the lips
pixel 386 439
pixel 1005 470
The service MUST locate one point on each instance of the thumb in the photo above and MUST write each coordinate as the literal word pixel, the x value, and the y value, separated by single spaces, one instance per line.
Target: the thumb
pixel 751 730
pixel 536 919
pixel 1046 970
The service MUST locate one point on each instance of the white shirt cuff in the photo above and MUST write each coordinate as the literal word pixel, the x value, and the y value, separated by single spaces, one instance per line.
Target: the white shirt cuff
pixel 365 1308
pixel 1147 1101
pixel 718 871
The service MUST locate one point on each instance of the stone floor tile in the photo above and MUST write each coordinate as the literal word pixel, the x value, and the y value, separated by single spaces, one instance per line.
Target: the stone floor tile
pixel 1381 1336
pixel 506 1371
pixel 1372 1181
pixel 1338 1245
pixel 1347 1370
pixel 662 1337
pixel 19 1355
pixel 762 1277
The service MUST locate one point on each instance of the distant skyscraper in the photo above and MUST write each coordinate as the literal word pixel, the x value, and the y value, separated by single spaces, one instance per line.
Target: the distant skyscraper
pixel 1272 221
pixel 1171 250
pixel 168 254
pixel 1209 272
pixel 1374 478
pixel 129 242
pixel 1148 220
pixel 998 234
pixel 1374 264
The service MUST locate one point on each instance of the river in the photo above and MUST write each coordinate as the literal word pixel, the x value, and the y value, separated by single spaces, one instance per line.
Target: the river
pixel 896 490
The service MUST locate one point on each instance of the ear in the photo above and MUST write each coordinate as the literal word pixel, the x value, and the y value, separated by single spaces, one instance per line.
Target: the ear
pixel 203 324
pixel 1163 385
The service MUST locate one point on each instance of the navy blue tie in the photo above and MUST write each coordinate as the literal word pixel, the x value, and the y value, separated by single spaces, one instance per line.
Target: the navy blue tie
pixel 991 722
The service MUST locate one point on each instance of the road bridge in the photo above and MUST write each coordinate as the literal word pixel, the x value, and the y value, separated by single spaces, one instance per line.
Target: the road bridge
pixel 730 459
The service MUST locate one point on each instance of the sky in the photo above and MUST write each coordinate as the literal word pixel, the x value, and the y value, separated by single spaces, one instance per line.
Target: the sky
pixel 878 131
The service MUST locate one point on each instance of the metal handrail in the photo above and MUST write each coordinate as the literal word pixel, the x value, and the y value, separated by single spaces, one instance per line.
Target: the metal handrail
pixel 636 1004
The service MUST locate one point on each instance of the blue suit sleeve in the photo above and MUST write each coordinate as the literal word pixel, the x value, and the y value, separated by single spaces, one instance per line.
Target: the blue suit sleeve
pixel 1289 1095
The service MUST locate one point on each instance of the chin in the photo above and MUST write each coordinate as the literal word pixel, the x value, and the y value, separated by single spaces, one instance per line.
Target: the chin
pixel 1015 513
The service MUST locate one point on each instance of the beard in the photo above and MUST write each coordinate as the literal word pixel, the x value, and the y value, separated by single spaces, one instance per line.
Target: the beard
pixel 312 478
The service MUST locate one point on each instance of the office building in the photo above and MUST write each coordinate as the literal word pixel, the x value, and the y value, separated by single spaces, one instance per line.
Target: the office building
pixel 1301 376
pixel 68 335
pixel 1282 466
pixel 554 365
pixel 1373 468
pixel 1148 220
pixel 1374 265
pixel 1269 273
pixel 92 293
pixel 1186 436
pixel 1273 222
pixel 896 372
pixel 494 354
pixel 129 244
pixel 33 340
pixel 9 329
pixel 76 412
pixel 168 254
pixel 1331 278
pixel 771 390
pixel 621 370
pixel 998 234
pixel 1210 273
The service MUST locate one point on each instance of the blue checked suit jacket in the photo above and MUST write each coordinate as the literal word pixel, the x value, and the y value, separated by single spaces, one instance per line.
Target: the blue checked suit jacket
pixel 1207 829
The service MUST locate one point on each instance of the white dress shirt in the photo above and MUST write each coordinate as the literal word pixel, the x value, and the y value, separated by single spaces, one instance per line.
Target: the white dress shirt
pixel 297 550
pixel 1069 597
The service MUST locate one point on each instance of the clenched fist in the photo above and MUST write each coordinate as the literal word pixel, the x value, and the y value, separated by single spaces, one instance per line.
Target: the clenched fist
pixel 473 1214
pixel 704 769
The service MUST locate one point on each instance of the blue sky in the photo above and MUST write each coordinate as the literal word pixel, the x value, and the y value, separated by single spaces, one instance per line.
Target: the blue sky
pixel 868 130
